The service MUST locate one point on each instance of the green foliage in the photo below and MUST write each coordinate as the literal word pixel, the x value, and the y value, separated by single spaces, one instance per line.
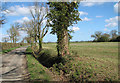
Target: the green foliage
pixel 97 35
pixel 62 15
pixel 111 37
pixel 117 39
pixel 104 38
pixel 28 49
pixel 8 50
pixel 113 34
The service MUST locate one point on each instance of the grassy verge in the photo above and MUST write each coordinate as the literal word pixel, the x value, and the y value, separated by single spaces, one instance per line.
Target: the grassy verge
pixel 36 70
pixel 8 50
pixel 7 47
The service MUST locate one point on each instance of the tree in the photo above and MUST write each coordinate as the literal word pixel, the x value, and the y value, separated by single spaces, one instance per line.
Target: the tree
pixel 3 10
pixel 27 39
pixel 37 27
pixel 118 39
pixel 40 29
pixel 111 37
pixel 13 33
pixel 62 15
pixel 97 35
pixel 5 39
pixel 28 26
pixel 113 34
pixel 104 38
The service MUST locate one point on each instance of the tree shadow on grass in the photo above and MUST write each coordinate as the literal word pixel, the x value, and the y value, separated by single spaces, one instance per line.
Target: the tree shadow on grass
pixel 46 58
pixel 28 53
pixel 22 53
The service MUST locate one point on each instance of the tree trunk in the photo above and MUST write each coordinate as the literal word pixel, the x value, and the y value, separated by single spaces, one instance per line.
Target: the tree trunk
pixel 35 35
pixel 62 47
pixel 31 41
pixel 66 48
pixel 58 44
pixel 40 44
pixel 35 40
pixel 13 40
pixel 65 44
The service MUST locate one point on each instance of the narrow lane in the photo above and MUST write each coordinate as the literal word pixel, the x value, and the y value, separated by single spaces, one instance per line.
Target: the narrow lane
pixel 14 66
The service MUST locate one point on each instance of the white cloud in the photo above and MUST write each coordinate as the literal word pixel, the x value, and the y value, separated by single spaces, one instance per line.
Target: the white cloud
pixel 44 21
pixel 18 10
pixel 112 22
pixel 26 19
pixel 22 20
pixel 116 6
pixel 21 10
pixel 22 34
pixel 2 36
pixel 86 19
pixel 114 19
pixel 111 25
pixel 100 1
pixel 89 4
pixel 76 28
pixel 99 16
pixel 83 13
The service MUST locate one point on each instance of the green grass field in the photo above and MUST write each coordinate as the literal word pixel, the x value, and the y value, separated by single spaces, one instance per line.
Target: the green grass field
pixel 95 61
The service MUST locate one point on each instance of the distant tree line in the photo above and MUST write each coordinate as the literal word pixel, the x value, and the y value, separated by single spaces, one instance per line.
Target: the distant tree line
pixel 106 37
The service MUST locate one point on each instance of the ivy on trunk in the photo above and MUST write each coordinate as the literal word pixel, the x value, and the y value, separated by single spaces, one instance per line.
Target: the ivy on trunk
pixel 63 15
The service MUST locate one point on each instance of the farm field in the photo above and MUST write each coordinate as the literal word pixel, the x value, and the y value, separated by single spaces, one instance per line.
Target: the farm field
pixel 94 61
pixel 88 61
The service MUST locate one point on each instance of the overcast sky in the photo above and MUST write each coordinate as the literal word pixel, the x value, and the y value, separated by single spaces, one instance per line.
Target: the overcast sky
pixel 96 16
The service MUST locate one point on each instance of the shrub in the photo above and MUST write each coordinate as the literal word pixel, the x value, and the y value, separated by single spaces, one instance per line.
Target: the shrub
pixel 11 45
pixel 117 39
pixel 6 47
pixel 103 39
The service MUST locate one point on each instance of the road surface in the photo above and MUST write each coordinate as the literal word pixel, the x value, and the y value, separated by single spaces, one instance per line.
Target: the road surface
pixel 14 66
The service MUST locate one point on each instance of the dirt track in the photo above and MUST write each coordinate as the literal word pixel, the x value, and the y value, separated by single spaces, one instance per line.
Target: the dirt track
pixel 14 66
